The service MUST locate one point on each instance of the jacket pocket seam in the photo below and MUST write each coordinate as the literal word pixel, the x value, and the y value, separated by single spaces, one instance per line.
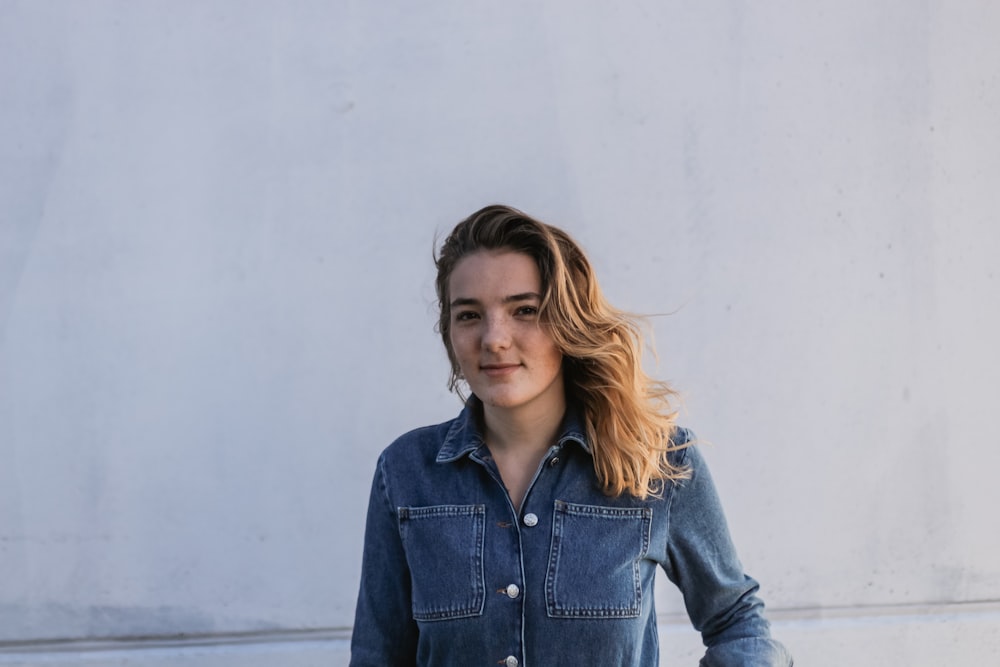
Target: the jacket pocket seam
pixel 425 577
pixel 566 514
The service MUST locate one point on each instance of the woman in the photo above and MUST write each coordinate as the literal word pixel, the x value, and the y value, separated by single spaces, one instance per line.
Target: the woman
pixel 528 530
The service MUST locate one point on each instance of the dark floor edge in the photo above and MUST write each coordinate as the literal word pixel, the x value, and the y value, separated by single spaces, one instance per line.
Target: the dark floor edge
pixel 131 643
pixel 341 636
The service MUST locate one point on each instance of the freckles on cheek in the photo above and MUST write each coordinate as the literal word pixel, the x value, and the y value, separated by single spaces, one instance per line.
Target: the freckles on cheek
pixel 459 347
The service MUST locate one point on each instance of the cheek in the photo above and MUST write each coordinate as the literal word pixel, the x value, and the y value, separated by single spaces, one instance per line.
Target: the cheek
pixel 557 360
pixel 548 351
pixel 460 344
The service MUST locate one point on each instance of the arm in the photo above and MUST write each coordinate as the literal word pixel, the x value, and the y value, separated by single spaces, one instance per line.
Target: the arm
pixel 720 598
pixel 384 630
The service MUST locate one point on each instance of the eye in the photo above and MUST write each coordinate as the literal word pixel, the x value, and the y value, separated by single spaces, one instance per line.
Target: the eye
pixel 527 311
pixel 465 315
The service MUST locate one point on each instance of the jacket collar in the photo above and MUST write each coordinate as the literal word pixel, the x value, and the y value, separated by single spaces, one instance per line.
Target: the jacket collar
pixel 465 434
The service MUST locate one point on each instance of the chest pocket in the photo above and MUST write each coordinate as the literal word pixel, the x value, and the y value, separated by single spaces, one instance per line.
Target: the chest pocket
pixel 593 569
pixel 444 550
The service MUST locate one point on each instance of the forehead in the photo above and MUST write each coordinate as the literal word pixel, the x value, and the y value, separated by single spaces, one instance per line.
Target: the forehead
pixel 494 273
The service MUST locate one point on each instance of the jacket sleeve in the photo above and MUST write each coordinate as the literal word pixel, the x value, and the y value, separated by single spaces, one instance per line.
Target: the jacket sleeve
pixel 384 630
pixel 721 599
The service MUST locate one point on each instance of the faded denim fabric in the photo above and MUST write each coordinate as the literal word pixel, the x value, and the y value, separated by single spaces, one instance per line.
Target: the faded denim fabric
pixel 453 576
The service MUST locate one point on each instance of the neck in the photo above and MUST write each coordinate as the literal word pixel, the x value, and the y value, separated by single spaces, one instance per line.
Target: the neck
pixel 528 428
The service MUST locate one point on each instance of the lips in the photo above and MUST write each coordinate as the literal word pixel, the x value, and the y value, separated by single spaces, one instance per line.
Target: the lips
pixel 498 370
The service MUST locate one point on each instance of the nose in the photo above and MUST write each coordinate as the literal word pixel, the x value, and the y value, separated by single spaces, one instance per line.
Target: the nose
pixel 496 334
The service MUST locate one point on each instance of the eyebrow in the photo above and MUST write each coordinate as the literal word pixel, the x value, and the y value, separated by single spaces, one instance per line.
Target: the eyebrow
pixel 524 296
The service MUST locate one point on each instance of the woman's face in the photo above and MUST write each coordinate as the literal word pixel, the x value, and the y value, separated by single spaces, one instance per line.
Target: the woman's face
pixel 504 352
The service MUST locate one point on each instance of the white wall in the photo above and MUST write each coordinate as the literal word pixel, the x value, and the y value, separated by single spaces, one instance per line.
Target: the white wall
pixel 216 300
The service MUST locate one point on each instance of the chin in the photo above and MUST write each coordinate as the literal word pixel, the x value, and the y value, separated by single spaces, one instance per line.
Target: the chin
pixel 498 400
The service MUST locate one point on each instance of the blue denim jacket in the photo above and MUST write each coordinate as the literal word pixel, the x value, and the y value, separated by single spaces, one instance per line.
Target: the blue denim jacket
pixel 453 576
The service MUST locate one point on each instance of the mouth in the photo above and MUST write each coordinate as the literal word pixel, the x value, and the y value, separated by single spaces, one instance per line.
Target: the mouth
pixel 498 370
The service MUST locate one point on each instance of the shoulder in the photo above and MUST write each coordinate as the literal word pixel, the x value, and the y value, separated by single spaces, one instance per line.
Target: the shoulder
pixel 687 456
pixel 418 440
pixel 683 443
pixel 419 465
pixel 422 446
pixel 683 437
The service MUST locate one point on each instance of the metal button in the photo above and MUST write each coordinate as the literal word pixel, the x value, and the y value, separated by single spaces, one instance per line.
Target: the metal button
pixel 530 520
pixel 511 661
pixel 513 591
pixel 553 461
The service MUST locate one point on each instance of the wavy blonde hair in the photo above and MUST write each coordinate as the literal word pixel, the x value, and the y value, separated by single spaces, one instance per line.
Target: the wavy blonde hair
pixel 630 419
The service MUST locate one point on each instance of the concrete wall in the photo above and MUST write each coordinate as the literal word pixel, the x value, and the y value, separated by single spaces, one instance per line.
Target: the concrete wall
pixel 216 301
